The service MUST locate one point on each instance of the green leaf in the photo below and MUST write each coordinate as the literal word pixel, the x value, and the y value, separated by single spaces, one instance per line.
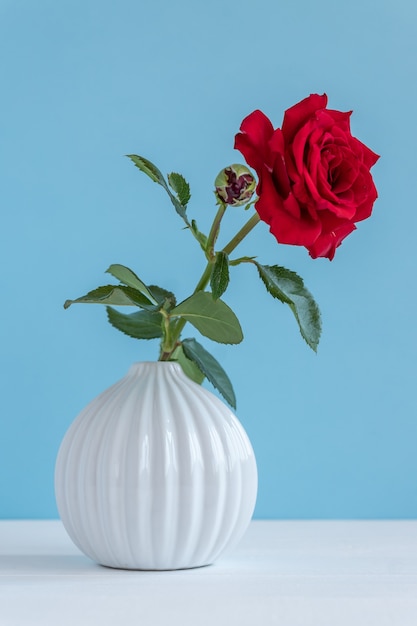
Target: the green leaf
pixel 148 168
pixel 140 325
pixel 289 288
pixel 180 187
pixel 163 296
pixel 128 277
pixel 118 295
pixel 211 368
pixel 201 237
pixel 242 259
pixel 156 175
pixel 213 318
pixel 220 275
pixel 189 367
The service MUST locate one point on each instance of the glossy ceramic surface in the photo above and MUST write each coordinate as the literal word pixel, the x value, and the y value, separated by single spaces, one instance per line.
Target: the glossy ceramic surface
pixel 156 473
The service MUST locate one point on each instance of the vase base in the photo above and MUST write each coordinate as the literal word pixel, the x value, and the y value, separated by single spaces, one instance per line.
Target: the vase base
pixel 155 569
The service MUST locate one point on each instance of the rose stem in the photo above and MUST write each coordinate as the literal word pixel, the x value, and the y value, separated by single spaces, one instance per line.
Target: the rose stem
pixel 205 277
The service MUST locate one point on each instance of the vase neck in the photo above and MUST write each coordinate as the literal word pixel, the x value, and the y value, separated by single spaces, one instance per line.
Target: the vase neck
pixel 142 368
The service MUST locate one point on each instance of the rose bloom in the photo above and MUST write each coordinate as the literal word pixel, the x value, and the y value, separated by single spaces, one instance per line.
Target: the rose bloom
pixel 314 178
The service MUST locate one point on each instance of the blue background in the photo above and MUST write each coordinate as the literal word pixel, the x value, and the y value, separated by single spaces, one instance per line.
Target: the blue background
pixel 85 82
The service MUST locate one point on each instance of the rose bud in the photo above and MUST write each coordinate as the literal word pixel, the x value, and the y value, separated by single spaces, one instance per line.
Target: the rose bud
pixel 235 185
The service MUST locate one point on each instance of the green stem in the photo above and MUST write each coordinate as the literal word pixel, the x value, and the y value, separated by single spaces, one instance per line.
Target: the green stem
pixel 214 232
pixel 205 277
pixel 202 283
pixel 246 228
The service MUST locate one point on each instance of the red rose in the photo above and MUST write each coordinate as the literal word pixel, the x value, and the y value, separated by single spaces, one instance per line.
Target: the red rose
pixel 314 178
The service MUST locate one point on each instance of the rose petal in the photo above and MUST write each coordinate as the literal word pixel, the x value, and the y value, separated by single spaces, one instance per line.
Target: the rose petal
pixel 326 244
pixel 279 169
pixel 341 119
pixel 252 141
pixel 287 221
pixel 364 210
pixel 297 115
pixel 271 200
pixel 369 157
pixel 296 232
pixel 298 146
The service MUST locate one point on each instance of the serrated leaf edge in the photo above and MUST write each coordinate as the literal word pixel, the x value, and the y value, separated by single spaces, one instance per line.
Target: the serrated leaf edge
pixel 313 344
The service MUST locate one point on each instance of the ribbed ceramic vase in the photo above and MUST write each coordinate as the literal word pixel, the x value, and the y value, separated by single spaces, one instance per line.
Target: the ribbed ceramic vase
pixel 156 473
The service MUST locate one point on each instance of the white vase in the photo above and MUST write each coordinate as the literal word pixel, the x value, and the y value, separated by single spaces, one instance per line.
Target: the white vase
pixel 156 473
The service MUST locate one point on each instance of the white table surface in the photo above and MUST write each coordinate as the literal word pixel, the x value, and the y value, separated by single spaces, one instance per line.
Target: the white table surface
pixel 286 573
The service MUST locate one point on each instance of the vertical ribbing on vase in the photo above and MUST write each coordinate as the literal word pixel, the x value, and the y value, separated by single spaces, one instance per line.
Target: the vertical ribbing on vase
pixel 190 476
pixel 164 408
pixel 95 453
pixel 143 491
pixel 108 466
pixel 159 485
pixel 127 469
pixel 156 472
pixel 235 455
pixel 218 478
pixel 232 504
pixel 205 535
pixel 137 464
pixel 86 433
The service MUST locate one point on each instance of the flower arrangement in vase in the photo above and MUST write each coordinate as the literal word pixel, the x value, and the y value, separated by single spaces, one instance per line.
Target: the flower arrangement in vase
pixel 168 473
